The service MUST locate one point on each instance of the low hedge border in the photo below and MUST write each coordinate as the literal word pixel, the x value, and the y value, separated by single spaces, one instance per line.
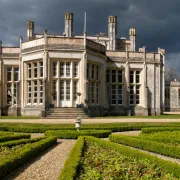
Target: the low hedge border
pixel 158 129
pixel 169 167
pixel 153 146
pixel 114 127
pixel 10 144
pixel 29 151
pixel 71 166
pixel 72 134
pixel 9 137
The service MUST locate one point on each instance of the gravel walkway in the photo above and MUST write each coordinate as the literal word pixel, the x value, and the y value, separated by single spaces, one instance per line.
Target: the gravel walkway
pixel 46 167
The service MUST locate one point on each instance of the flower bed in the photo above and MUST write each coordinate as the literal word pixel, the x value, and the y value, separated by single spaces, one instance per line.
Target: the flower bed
pixel 78 167
pixel 72 134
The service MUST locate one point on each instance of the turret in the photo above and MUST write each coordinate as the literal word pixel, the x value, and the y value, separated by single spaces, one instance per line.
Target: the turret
pixel 68 29
pixel 112 32
pixel 30 30
pixel 132 37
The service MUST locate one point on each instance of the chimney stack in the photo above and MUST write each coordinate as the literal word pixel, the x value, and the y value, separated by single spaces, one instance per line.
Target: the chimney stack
pixel 30 30
pixel 68 29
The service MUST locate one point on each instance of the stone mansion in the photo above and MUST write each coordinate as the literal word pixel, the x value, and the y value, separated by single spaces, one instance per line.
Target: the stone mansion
pixel 104 74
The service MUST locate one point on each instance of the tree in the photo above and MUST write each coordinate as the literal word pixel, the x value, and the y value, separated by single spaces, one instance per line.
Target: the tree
pixel 171 75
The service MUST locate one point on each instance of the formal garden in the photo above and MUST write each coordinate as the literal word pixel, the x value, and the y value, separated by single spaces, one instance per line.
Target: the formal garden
pixel 99 151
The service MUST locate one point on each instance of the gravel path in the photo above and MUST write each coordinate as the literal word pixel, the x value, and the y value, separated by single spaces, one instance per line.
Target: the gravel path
pixel 46 167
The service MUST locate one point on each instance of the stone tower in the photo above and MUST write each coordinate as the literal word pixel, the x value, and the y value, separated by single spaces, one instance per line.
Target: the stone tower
pixel 112 31
pixel 132 37
pixel 30 30
pixel 68 29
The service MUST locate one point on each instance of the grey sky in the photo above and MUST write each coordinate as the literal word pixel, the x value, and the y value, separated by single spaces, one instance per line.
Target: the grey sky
pixel 156 21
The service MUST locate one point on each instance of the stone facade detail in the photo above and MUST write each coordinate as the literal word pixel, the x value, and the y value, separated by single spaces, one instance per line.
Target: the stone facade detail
pixel 103 73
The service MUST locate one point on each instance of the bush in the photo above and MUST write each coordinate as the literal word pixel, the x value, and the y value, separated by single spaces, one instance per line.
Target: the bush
pixel 29 151
pixel 70 134
pixel 72 164
pixel 9 137
pixel 20 141
pixel 148 145
pixel 169 167
pixel 158 129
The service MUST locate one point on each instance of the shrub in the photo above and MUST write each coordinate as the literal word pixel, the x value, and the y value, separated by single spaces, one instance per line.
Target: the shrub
pixel 29 151
pixel 169 167
pixel 148 145
pixel 18 142
pixel 70 134
pixel 72 164
pixel 158 129
pixel 8 137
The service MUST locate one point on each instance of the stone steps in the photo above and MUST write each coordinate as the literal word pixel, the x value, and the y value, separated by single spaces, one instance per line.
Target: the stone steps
pixel 65 113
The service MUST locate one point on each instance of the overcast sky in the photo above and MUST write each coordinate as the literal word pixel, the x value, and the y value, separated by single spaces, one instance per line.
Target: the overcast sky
pixel 157 22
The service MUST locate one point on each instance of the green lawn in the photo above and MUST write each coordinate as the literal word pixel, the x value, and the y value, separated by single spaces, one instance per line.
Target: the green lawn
pixel 20 117
pixel 164 116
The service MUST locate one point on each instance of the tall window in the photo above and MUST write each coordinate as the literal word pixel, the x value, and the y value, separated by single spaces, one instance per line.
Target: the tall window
pixel 9 74
pixel 61 69
pixel 35 70
pixel 41 69
pixel 92 71
pixel 40 91
pixel 75 69
pixel 34 82
pixel 93 83
pixel 97 93
pixel 29 71
pixel 35 92
pixel 12 77
pixel 68 66
pixel 54 90
pixel 115 78
pixel 135 87
pixel 68 90
pixel 61 90
pixel 54 69
pixel 75 90
pixel 29 92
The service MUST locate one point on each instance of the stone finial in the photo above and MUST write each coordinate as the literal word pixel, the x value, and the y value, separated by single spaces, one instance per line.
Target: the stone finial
pixel 45 31
pixel 161 51
pixel 21 39
pixel 112 19
pixel 143 49
pixel 132 32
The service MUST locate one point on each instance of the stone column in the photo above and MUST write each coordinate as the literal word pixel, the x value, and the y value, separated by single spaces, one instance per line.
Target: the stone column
pixel 84 78
pixel 71 83
pixel 58 84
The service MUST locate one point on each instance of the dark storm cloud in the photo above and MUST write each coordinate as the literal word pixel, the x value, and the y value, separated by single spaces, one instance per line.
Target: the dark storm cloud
pixel 156 21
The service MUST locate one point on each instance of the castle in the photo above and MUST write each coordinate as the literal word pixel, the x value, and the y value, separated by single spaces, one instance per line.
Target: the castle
pixel 104 73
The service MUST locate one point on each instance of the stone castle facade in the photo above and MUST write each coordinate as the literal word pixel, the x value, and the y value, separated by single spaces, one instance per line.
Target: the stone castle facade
pixel 103 73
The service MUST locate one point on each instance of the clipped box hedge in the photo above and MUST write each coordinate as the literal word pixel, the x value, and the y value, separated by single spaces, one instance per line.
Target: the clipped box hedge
pixel 10 144
pixel 10 162
pixel 71 168
pixel 160 148
pixel 72 134
pixel 158 129
pixel 9 137
pixel 168 166
pixel 72 163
